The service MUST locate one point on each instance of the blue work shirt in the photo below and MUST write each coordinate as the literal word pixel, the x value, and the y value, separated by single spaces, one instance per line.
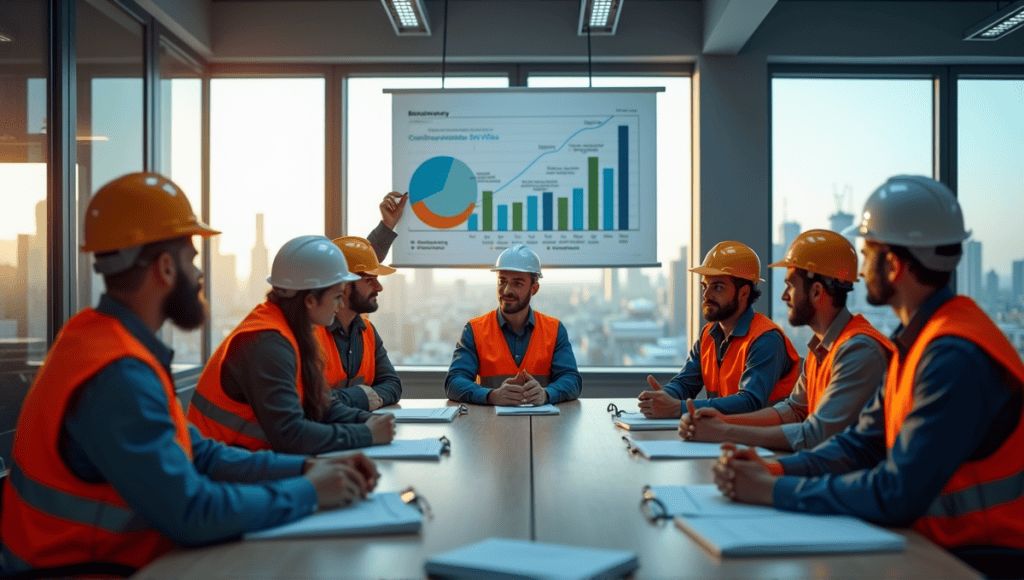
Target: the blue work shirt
pixel 120 431
pixel 460 384
pixel 952 421
pixel 767 362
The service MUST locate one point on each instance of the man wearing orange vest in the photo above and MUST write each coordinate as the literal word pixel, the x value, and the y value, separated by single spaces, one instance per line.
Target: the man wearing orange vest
pixel 514 355
pixel 742 358
pixel 941 446
pixel 107 474
pixel 846 358
pixel 358 369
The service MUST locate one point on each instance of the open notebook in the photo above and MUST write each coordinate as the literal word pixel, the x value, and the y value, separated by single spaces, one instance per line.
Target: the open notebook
pixel 528 410
pixel 520 559
pixel 401 449
pixel 434 415
pixel 379 513
pixel 679 449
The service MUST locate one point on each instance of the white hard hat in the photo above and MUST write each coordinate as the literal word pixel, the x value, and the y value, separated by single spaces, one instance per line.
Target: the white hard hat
pixel 919 214
pixel 518 258
pixel 306 263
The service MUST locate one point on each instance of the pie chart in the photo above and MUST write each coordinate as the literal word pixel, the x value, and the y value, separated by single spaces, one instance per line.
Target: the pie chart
pixel 443 192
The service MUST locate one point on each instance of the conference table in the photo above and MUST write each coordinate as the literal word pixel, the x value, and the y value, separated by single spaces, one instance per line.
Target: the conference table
pixel 567 479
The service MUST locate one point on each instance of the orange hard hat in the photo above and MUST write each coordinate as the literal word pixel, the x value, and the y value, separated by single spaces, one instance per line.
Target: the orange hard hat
pixel 731 259
pixel 822 252
pixel 360 256
pixel 137 209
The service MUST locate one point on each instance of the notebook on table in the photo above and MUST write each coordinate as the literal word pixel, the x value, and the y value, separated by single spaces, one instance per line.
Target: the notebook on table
pixel 786 533
pixel 704 500
pixel 434 415
pixel 499 558
pixel 637 422
pixel 680 449
pixel 548 409
pixel 401 449
pixel 379 513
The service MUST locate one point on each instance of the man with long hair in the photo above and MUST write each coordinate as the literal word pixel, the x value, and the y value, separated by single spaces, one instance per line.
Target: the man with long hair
pixel 107 474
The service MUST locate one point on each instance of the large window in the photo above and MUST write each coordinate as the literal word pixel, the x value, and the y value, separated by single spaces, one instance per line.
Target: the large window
pixel 180 150
pixel 614 317
pixel 110 101
pixel 834 141
pixel 23 259
pixel 266 183
pixel 990 171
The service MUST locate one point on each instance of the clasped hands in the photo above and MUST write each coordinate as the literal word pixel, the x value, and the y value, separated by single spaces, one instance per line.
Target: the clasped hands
pixel 742 475
pixel 521 389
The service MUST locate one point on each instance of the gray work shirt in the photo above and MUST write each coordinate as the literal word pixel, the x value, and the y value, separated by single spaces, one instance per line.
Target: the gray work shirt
pixel 858 368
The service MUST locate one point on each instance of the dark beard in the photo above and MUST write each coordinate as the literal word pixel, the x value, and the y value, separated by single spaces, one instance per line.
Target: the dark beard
pixel 185 306
pixel 886 290
pixel 522 305
pixel 725 311
pixel 801 314
pixel 362 305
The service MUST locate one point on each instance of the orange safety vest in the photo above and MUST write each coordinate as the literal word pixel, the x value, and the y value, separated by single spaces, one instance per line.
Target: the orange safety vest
pixel 333 369
pixel 50 516
pixel 218 415
pixel 724 380
pixel 983 502
pixel 820 374
pixel 496 362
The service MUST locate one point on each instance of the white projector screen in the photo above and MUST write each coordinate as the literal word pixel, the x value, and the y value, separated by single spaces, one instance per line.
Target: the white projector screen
pixel 568 172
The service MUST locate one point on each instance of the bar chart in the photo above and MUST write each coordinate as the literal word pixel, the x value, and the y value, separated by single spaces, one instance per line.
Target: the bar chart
pixel 572 178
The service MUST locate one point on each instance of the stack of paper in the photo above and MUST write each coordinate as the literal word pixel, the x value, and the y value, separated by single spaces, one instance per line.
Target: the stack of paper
pixel 788 533
pixel 380 513
pixel 637 422
pixel 436 415
pixel 528 410
pixel 501 558
pixel 702 500
pixel 681 449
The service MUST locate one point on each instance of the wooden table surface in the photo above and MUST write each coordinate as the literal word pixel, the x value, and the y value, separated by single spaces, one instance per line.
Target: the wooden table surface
pixel 564 479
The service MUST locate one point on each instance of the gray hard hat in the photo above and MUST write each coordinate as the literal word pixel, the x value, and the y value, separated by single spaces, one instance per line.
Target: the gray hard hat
pixel 518 258
pixel 306 263
pixel 918 213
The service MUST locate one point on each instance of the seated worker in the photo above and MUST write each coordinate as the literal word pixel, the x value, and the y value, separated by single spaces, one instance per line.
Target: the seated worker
pixel 514 355
pixel 358 369
pixel 107 474
pixel 264 386
pixel 742 358
pixel 940 447
pixel 846 358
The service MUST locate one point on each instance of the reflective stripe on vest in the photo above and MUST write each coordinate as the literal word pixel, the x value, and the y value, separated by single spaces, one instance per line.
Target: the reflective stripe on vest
pixel 240 430
pixel 227 419
pixel 334 371
pixel 819 375
pixel 983 501
pixel 72 508
pixel 496 362
pixel 51 517
pixel 723 380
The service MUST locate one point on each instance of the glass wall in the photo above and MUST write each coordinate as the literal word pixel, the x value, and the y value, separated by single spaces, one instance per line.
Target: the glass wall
pixel 990 174
pixel 267 139
pixel 109 101
pixel 180 149
pixel 834 141
pixel 23 163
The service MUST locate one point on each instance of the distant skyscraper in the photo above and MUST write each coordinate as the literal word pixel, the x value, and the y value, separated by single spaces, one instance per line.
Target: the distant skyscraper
pixel 611 285
pixel 423 281
pixel 225 294
pixel 1018 280
pixel 992 286
pixel 678 283
pixel 788 231
pixel 839 221
pixel 968 273
pixel 260 264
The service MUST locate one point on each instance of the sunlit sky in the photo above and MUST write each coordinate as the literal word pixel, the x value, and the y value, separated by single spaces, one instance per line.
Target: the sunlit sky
pixel 267 153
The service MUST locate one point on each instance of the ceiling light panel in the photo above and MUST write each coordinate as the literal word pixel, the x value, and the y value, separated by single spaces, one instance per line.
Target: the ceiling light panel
pixel 1000 24
pixel 601 15
pixel 408 17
